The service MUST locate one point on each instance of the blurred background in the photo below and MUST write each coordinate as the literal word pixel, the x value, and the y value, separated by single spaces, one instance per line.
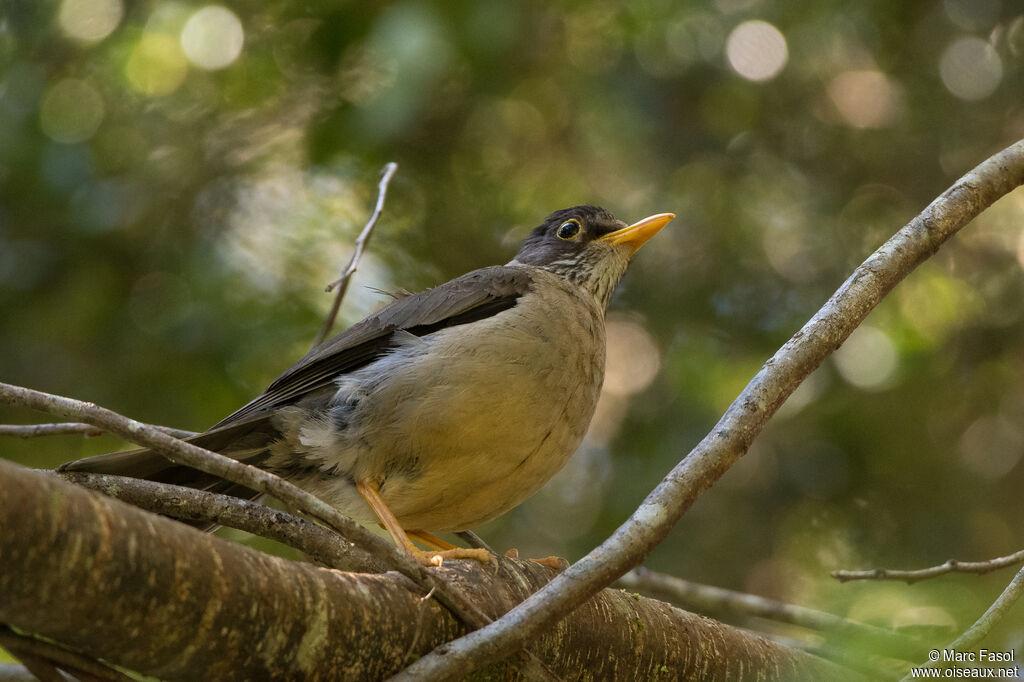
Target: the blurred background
pixel 178 182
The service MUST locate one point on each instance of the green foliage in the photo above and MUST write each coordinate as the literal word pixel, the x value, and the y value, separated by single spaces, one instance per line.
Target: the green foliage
pixel 166 229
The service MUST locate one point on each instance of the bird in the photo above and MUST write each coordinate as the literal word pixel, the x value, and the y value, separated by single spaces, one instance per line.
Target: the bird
pixel 445 408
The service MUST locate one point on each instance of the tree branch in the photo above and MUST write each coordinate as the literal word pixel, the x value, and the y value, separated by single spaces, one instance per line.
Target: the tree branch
pixel 168 601
pixel 704 598
pixel 181 452
pixel 974 634
pixel 190 504
pixel 39 430
pixel 72 429
pixel 740 424
pixel 951 566
pixel 364 238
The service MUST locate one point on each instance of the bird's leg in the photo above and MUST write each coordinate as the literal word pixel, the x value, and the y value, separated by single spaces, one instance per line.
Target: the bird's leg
pixel 371 494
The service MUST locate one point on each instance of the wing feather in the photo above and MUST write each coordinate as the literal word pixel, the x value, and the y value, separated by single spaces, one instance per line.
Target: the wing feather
pixel 473 296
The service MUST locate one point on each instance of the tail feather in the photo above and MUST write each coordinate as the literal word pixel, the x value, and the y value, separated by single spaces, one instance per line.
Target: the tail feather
pixel 245 441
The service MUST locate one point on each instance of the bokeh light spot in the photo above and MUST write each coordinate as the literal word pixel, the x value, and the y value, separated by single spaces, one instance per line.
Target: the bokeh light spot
pixel 868 359
pixel 756 50
pixel 970 68
pixel 923 616
pixel 90 20
pixel 879 604
pixel 972 15
pixel 865 99
pixel 934 304
pixel 633 359
pixel 156 65
pixel 71 111
pixel 212 38
pixel 992 446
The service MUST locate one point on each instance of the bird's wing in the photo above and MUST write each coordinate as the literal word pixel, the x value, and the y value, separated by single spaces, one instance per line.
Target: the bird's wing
pixel 471 297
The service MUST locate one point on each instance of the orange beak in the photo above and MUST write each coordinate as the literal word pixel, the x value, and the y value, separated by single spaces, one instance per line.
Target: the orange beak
pixel 636 234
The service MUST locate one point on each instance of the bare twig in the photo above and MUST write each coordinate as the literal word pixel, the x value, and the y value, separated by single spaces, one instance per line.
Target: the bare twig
pixel 42 658
pixel 364 237
pixel 39 430
pixel 474 540
pixel 738 427
pixel 974 634
pixel 703 598
pixel 190 504
pixel 951 566
pixel 72 429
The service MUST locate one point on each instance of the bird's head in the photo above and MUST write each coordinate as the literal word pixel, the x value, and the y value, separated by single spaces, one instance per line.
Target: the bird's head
pixel 588 246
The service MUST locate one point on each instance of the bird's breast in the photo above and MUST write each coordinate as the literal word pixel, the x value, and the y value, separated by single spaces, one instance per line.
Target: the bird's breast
pixel 463 424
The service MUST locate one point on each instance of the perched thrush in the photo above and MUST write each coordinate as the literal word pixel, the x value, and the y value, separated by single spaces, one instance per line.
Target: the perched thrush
pixel 446 408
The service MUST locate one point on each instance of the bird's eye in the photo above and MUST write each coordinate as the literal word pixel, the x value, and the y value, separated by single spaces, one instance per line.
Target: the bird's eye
pixel 569 229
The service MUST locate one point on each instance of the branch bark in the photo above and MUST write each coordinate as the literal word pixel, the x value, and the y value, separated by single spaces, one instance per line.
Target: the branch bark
pixel 72 429
pixel 952 566
pixel 190 504
pixel 158 597
pixel 743 420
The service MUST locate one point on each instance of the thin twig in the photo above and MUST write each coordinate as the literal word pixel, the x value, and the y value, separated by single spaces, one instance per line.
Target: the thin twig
pixel 737 428
pixel 703 598
pixel 189 504
pixel 974 634
pixel 951 566
pixel 474 540
pixel 39 430
pixel 72 429
pixel 364 237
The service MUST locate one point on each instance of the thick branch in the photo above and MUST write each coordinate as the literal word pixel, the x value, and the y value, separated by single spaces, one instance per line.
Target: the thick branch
pixel 163 599
pixel 951 566
pixel 742 421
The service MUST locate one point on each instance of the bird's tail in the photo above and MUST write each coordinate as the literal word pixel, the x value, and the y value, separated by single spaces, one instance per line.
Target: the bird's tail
pixel 245 441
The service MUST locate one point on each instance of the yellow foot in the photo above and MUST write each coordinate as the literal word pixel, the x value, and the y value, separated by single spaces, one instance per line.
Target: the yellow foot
pixel 433 557
pixel 555 562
